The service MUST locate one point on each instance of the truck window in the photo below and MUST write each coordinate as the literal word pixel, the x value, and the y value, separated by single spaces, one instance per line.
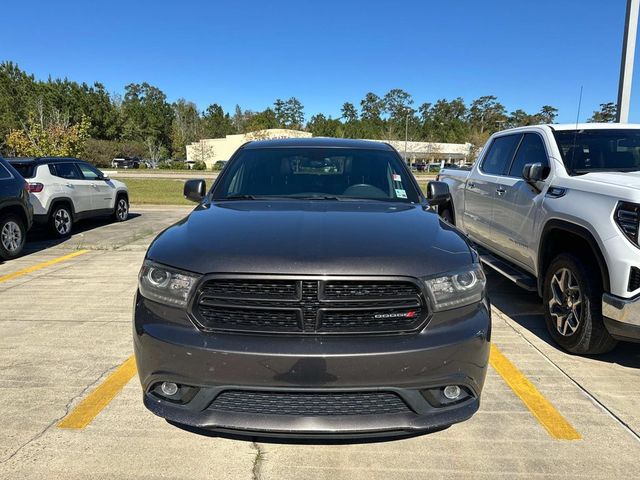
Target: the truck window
pixel 500 154
pixel 531 150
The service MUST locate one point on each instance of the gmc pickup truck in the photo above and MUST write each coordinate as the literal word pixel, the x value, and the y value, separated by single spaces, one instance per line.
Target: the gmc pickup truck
pixel 556 208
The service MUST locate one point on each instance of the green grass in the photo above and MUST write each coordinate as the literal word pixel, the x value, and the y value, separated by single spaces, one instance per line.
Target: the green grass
pixel 156 191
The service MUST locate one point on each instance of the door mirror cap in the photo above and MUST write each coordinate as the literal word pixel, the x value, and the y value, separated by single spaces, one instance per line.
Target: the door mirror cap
pixel 535 172
pixel 438 193
pixel 195 190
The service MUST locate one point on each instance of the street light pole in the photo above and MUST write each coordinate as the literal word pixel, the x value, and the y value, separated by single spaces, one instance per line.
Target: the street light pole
pixel 406 137
pixel 626 65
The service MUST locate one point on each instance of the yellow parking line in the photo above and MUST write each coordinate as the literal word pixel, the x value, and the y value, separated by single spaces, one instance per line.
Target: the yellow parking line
pixel 38 266
pixel 92 405
pixel 557 426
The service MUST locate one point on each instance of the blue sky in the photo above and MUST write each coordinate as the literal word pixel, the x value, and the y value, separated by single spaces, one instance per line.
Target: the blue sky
pixel 528 53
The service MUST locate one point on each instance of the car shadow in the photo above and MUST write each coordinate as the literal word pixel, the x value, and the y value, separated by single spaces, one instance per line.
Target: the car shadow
pixel 311 440
pixel 39 238
pixel 525 308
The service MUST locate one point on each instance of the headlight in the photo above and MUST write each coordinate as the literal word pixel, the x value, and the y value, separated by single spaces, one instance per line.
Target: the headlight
pixel 456 289
pixel 165 284
pixel 627 216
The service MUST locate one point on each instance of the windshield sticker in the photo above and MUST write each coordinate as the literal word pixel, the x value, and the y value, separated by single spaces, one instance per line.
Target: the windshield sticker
pixel 400 193
pixel 397 178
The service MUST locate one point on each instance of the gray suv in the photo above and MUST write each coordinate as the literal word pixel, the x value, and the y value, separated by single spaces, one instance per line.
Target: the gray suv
pixel 313 291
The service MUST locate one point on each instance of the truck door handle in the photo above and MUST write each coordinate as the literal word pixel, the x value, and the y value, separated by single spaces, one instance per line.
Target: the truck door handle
pixel 471 185
pixel 500 191
pixel 70 185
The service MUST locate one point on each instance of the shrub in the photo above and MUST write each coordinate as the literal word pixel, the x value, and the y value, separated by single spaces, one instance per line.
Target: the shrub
pixel 200 165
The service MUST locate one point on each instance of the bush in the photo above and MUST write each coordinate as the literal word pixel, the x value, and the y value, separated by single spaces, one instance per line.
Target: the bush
pixel 199 165
pixel 173 165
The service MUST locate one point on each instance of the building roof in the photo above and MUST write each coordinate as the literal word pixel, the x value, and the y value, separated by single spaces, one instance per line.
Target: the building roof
pixel 318 142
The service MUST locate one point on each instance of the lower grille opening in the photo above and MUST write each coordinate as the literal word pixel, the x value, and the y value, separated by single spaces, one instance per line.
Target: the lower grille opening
pixel 309 404
pixel 634 279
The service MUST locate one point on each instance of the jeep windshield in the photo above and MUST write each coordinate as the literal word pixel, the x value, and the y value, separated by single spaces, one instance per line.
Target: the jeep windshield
pixel 585 151
pixel 316 173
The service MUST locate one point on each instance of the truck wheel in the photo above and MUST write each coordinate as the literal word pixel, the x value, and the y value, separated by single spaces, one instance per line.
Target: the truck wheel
pixel 61 221
pixel 572 300
pixel 12 236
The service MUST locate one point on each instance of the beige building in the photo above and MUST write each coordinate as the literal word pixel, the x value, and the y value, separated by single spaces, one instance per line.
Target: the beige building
pixel 211 150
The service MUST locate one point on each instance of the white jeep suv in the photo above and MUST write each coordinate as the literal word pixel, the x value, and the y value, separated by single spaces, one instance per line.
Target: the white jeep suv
pixel 65 190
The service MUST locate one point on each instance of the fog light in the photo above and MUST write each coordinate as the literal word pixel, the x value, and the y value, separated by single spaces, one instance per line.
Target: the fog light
pixel 452 392
pixel 169 388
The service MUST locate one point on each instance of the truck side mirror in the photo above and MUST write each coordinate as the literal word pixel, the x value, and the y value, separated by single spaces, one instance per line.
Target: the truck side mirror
pixel 535 172
pixel 195 190
pixel 438 193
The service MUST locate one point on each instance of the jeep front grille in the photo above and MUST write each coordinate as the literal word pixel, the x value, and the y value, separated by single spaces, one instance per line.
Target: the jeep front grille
pixel 309 306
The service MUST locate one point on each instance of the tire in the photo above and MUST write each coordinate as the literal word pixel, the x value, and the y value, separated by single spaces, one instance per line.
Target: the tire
pixel 13 235
pixel 572 301
pixel 121 209
pixel 61 220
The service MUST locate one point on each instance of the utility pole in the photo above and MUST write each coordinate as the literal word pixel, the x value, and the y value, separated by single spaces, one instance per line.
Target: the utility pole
pixel 626 65
pixel 406 137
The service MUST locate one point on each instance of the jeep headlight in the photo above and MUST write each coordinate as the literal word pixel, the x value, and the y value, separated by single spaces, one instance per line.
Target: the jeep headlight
pixel 166 284
pixel 456 289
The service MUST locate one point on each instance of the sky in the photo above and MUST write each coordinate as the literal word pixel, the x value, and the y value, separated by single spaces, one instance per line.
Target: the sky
pixel 527 53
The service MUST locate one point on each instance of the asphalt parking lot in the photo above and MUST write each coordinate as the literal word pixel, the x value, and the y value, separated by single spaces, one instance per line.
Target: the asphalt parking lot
pixel 72 405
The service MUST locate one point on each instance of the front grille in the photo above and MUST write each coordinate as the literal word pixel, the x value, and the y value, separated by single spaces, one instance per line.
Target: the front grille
pixel 309 404
pixel 634 279
pixel 310 306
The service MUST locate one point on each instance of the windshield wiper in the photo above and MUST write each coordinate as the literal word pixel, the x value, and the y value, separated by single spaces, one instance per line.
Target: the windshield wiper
pixel 315 197
pixel 237 197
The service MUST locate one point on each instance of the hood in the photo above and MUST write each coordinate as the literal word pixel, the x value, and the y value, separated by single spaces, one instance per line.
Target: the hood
pixel 625 179
pixel 312 238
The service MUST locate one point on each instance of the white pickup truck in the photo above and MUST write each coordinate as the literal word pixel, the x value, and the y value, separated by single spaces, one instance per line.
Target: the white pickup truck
pixel 556 209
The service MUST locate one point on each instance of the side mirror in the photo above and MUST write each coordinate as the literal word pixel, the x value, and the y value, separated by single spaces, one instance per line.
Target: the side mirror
pixel 195 190
pixel 535 172
pixel 104 177
pixel 438 193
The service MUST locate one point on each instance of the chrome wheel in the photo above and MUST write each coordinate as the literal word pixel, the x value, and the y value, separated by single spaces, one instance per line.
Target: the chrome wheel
pixel 11 236
pixel 62 221
pixel 565 305
pixel 122 209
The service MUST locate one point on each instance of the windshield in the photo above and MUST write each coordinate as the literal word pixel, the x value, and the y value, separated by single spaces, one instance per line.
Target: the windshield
pixel 585 151
pixel 317 173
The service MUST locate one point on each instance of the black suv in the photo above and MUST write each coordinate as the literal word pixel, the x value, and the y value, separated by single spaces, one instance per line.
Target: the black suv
pixel 312 291
pixel 16 212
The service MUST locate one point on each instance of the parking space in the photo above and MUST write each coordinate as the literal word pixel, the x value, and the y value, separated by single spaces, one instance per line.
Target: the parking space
pixel 66 328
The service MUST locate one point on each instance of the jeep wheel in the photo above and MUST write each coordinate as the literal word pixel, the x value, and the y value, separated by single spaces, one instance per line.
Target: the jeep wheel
pixel 572 300
pixel 61 221
pixel 121 210
pixel 12 236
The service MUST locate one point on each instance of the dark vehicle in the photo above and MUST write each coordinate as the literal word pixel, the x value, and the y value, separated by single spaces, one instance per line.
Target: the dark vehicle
pixel 126 162
pixel 312 291
pixel 421 166
pixel 16 212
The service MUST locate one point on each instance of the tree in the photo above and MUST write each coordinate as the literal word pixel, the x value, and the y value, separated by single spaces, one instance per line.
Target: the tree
pixel 146 114
pixel 371 106
pixel 486 113
pixel 56 137
pixel 216 123
pixel 185 127
pixel 261 121
pixel 289 113
pixel 606 114
pixel 548 114
pixel 321 126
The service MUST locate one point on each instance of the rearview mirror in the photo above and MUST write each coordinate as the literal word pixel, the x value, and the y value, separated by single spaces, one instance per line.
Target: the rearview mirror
pixel 535 172
pixel 438 193
pixel 195 190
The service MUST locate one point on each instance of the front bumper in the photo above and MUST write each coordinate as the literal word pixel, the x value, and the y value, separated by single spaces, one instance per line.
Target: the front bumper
pixel 622 316
pixel 453 349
